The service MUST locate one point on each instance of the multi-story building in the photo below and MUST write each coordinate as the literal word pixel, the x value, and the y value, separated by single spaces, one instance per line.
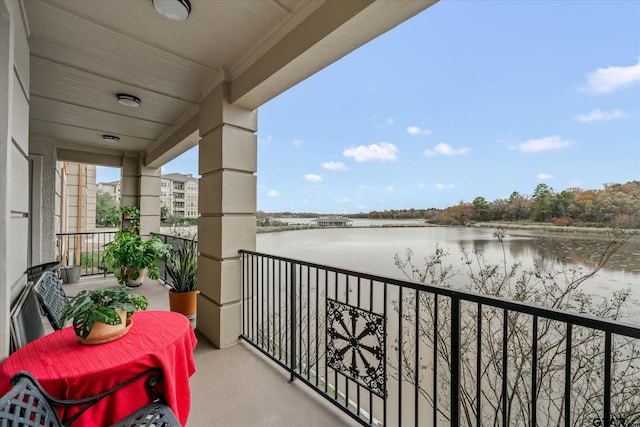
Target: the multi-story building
pixel 111 188
pixel 179 194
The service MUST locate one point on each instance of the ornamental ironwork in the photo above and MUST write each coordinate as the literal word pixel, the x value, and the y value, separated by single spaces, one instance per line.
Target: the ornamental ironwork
pixel 356 345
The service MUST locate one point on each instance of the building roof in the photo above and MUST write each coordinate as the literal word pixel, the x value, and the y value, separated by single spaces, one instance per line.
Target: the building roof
pixel 179 177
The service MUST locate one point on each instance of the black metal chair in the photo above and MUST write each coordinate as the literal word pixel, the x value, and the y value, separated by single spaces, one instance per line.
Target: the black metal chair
pixel 27 404
pixel 33 273
pixel 52 297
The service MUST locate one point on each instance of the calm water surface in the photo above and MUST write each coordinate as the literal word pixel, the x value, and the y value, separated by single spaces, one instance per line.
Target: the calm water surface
pixel 372 250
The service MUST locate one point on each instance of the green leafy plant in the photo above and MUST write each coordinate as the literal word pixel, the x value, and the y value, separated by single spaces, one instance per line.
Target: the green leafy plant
pixel 130 211
pixel 130 250
pixel 130 218
pixel 182 267
pixel 100 305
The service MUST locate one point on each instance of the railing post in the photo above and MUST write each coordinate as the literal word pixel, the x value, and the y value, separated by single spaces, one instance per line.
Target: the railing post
pixel 293 320
pixel 455 361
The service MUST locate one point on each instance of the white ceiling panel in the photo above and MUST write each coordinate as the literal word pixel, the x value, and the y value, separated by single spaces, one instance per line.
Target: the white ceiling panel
pixel 86 136
pixel 81 88
pixel 83 52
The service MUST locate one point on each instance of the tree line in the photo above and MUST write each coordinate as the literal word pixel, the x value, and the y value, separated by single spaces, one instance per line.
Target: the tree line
pixel 614 205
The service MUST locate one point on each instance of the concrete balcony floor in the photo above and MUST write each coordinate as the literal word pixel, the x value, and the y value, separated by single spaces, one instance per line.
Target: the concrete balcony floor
pixel 236 386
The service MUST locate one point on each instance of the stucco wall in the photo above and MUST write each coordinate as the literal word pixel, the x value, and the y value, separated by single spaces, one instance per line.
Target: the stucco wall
pixel 14 165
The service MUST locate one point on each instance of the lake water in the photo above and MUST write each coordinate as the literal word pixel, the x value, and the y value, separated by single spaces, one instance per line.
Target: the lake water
pixel 372 250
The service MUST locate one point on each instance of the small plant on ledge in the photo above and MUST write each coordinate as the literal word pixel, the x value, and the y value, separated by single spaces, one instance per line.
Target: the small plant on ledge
pixel 130 221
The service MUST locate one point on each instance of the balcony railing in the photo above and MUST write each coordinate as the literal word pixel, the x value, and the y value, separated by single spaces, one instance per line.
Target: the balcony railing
pixel 175 242
pixel 84 249
pixel 395 353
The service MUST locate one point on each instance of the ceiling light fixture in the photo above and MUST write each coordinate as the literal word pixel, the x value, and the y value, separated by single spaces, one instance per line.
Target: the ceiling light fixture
pixel 111 138
pixel 178 10
pixel 128 100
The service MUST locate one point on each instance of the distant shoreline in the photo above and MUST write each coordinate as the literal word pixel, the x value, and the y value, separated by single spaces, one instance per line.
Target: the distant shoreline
pixel 505 225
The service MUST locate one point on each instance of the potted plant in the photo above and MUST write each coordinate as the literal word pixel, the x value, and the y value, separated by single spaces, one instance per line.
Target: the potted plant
pixel 182 269
pixel 130 219
pixel 130 257
pixel 70 272
pixel 102 315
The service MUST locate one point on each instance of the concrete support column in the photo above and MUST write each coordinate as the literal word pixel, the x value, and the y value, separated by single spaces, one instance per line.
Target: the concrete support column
pixel 47 208
pixel 141 187
pixel 227 206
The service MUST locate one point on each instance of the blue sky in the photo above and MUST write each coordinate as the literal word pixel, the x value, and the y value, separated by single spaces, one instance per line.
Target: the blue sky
pixel 467 99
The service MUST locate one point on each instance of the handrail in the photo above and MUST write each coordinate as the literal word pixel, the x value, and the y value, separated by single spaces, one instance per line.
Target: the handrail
pixel 84 249
pixel 393 352
pixel 174 241
pixel 577 319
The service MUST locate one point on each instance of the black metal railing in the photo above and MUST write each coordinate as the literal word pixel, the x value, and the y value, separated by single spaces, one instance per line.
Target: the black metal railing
pixel 84 249
pixel 176 242
pixel 391 352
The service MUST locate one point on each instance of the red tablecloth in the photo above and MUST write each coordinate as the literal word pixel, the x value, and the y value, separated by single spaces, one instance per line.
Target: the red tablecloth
pixel 70 370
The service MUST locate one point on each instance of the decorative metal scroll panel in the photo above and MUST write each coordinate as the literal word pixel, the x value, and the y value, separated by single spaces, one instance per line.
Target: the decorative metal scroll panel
pixel 356 345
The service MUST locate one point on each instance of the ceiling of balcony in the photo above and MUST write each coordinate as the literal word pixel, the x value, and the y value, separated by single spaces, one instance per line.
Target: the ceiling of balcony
pixel 84 52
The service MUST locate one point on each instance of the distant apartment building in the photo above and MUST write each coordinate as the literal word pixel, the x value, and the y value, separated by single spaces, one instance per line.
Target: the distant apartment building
pixel 179 194
pixel 76 197
pixel 110 188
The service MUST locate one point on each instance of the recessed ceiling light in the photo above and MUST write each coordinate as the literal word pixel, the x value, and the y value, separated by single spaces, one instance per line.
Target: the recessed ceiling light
pixel 111 138
pixel 178 10
pixel 128 100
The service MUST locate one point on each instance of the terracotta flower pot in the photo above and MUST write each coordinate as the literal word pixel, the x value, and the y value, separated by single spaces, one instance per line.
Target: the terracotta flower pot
pixel 100 329
pixel 183 302
pixel 102 333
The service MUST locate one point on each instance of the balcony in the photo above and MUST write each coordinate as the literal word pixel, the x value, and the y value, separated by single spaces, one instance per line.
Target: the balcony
pixel 392 352
pixel 236 386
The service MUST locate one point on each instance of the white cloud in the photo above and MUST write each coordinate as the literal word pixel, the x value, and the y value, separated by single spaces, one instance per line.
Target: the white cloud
pixel 440 186
pixel 598 114
pixel 605 80
pixel 265 141
pixel 389 188
pixel 273 193
pixel 313 178
pixel 421 186
pixel 297 142
pixel 415 130
pixel 543 176
pixel 542 144
pixel 446 150
pixel 342 199
pixel 362 207
pixel 334 166
pixel 389 121
pixel 383 151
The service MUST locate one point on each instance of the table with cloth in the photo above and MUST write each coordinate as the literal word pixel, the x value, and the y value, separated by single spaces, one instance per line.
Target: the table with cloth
pixel 68 369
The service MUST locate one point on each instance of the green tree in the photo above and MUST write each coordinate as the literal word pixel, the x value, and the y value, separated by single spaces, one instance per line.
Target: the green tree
pixel 517 206
pixel 107 211
pixel 542 206
pixel 481 207
pixel 564 203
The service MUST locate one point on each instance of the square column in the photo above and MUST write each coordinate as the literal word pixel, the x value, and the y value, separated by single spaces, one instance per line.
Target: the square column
pixel 227 206
pixel 141 188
